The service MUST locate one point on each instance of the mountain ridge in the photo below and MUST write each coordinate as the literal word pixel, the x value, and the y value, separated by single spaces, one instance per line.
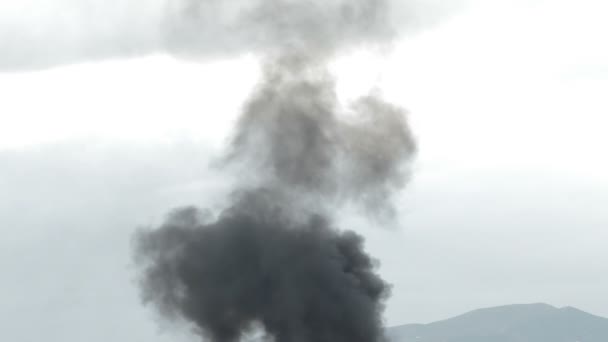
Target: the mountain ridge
pixel 538 322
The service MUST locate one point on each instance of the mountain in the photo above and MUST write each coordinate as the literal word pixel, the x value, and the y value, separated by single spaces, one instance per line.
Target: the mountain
pixel 511 323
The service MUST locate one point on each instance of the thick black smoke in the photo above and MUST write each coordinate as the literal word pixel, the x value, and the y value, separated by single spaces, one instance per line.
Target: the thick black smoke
pixel 302 281
pixel 273 259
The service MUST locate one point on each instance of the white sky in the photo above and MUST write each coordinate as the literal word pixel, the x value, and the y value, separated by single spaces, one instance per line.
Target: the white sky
pixel 507 204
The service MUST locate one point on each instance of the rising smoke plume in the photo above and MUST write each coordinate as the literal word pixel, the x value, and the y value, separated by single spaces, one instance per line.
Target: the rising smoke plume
pixel 273 258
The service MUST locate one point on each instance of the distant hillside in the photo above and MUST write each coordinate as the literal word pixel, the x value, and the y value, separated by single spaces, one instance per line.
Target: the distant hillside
pixel 512 323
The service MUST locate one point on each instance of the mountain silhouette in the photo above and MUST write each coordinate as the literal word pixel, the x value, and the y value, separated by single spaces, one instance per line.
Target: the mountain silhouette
pixel 511 323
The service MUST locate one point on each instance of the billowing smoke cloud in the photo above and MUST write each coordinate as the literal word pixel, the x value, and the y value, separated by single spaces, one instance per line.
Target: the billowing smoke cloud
pixel 302 281
pixel 273 258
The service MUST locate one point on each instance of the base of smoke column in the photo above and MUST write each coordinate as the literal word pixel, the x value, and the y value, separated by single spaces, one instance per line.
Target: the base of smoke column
pixel 299 279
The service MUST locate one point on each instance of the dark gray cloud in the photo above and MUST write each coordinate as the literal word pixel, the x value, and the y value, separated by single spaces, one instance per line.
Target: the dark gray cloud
pixel 256 265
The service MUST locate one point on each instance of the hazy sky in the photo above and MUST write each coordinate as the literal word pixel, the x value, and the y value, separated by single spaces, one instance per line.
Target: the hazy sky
pixel 507 203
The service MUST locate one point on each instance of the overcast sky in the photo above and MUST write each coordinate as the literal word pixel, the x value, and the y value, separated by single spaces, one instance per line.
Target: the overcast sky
pixel 507 204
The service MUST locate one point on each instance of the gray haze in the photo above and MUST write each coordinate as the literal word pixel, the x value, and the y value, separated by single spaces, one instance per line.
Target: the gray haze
pixel 66 227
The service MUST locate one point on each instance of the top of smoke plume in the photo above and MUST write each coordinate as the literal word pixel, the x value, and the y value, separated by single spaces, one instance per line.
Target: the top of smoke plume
pixel 276 24
pixel 67 31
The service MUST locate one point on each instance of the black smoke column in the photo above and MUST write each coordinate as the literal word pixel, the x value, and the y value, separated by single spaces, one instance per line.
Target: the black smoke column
pixel 273 258
pixel 301 281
